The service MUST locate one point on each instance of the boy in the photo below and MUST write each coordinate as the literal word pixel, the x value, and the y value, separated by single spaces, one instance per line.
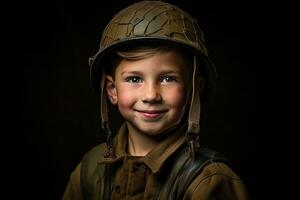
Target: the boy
pixel 154 67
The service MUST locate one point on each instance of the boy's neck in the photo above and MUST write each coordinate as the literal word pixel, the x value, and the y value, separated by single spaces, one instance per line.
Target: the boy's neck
pixel 140 144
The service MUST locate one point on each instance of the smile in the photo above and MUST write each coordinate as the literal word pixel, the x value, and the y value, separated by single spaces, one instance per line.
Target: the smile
pixel 151 114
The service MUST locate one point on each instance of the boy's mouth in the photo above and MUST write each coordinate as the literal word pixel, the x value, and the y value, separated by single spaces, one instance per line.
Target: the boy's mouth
pixel 152 114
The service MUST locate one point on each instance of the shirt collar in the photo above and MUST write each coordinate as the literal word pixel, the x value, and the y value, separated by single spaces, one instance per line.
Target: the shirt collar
pixel 155 158
pixel 119 146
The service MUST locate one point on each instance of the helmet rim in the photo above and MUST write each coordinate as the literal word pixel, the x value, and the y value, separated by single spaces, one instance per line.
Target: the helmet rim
pixel 96 65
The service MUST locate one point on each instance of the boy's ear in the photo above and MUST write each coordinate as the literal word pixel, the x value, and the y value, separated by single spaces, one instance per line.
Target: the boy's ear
pixel 111 89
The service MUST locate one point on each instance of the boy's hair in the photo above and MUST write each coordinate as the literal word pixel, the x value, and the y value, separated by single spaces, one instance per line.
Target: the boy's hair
pixel 145 51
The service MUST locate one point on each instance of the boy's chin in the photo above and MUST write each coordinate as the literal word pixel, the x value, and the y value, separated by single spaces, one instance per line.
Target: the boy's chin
pixel 158 133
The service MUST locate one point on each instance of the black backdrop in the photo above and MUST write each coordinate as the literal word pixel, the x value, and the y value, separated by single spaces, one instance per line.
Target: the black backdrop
pixel 58 112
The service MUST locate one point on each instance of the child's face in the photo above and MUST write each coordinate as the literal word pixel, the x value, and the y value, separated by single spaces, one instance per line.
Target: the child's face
pixel 150 93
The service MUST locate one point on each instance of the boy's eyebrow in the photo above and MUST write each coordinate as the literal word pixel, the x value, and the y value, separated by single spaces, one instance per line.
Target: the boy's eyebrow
pixel 171 71
pixel 131 72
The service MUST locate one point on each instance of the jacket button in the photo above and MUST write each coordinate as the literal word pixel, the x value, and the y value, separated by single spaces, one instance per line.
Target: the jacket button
pixel 106 154
pixel 118 189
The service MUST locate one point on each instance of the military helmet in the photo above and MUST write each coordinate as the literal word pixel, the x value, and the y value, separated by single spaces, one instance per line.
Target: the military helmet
pixel 153 21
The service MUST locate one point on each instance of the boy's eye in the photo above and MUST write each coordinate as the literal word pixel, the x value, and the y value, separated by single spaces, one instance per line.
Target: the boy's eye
pixel 133 79
pixel 168 79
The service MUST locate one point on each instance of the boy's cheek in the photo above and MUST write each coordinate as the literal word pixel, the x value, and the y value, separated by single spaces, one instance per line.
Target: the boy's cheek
pixel 125 99
pixel 175 96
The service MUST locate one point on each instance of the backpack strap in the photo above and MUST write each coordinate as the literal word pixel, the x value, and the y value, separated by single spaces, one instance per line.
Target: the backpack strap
pixel 95 177
pixel 177 167
pixel 185 170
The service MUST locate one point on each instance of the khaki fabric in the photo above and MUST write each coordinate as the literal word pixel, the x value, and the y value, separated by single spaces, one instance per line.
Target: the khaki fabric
pixel 138 177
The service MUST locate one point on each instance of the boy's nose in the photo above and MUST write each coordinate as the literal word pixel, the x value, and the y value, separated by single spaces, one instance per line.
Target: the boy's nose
pixel 151 94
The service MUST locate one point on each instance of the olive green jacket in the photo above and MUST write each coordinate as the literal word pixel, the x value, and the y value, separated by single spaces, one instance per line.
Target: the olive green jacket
pixel 141 177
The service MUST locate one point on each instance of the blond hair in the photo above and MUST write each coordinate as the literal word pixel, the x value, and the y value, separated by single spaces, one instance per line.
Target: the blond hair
pixel 145 51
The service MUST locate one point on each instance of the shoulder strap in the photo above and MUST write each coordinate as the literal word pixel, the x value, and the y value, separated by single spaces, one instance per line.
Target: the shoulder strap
pixel 93 175
pixel 192 169
pixel 185 170
pixel 177 167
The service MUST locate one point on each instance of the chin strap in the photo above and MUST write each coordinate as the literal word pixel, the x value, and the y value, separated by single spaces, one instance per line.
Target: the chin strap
pixel 105 119
pixel 192 133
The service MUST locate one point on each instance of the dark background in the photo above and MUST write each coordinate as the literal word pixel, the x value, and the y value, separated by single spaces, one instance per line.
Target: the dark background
pixel 58 113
